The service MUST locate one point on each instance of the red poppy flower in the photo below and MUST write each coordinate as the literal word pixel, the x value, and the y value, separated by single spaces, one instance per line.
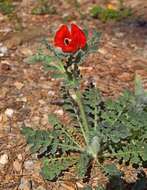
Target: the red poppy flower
pixel 71 39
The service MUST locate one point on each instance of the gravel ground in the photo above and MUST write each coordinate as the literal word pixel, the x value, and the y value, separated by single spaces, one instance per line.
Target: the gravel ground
pixel 26 90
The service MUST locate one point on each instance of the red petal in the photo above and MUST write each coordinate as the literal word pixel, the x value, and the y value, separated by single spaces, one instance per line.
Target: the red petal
pixel 60 35
pixel 78 36
pixel 69 49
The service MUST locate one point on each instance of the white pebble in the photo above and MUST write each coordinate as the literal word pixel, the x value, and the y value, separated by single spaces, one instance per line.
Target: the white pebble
pixel 19 157
pixel 29 165
pixel 4 159
pixel 3 50
pixel 9 112
pixel 51 93
pixel 59 112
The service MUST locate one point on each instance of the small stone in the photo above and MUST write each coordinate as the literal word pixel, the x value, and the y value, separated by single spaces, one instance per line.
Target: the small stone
pixel 24 99
pixel 29 165
pixel 17 166
pixel 59 112
pixel 26 52
pixel 119 34
pixel 102 51
pixel 42 102
pixel 36 120
pixel 73 96
pixel 9 112
pixel 20 157
pixel 18 85
pixel 51 93
pixel 3 50
pixel 4 159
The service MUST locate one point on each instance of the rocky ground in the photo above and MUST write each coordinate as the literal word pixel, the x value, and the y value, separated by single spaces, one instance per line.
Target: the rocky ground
pixel 26 90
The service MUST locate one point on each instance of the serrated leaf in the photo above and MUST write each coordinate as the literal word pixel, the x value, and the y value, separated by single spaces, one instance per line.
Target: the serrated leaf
pixel 38 139
pixel 53 119
pixel 27 131
pixel 82 164
pixel 50 67
pixel 39 57
pixel 111 170
pixel 58 75
pixel 52 168
pixel 135 159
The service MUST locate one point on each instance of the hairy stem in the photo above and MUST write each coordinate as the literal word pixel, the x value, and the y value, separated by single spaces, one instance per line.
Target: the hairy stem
pixel 85 128
pixel 73 75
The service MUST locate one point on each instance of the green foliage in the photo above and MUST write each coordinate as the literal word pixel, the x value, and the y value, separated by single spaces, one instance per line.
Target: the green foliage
pixel 69 104
pixel 52 168
pixel 111 170
pixel 6 6
pixel 56 144
pixel 92 104
pixel 43 7
pixel 83 164
pixel 99 128
pixel 140 94
pixel 106 14
pixel 79 56
pixel 93 43
pixel 49 64
pixel 68 71
pixel 39 140
pixel 135 152
pixel 117 129
pixel 125 127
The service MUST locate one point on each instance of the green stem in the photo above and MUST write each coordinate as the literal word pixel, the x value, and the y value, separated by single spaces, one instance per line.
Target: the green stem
pixel 95 111
pixel 84 127
pixel 81 127
pixel 73 75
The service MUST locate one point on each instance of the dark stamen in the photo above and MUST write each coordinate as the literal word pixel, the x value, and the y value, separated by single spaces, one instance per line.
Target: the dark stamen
pixel 67 41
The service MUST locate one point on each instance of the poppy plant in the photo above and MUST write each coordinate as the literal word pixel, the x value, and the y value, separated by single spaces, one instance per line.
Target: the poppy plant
pixel 70 39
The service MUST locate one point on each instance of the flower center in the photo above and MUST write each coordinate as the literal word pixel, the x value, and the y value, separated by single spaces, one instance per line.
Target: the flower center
pixel 67 41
